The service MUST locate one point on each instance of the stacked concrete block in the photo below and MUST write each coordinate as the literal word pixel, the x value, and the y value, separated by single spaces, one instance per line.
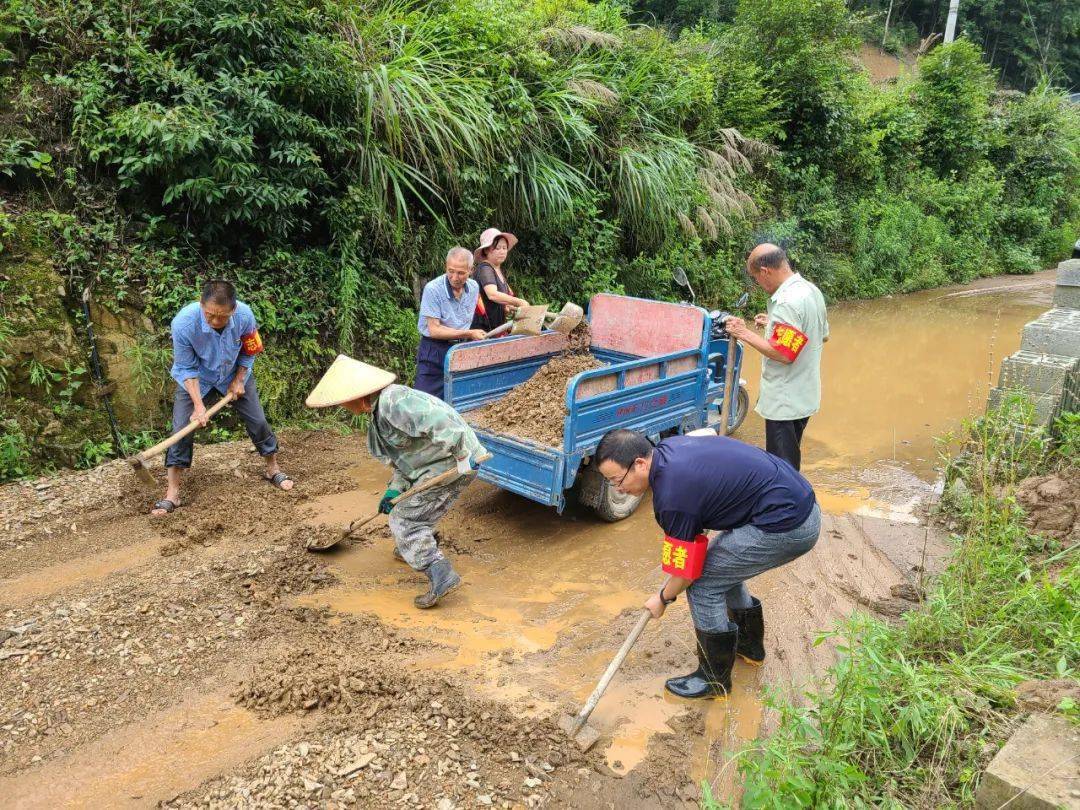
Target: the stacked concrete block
pixel 1067 292
pixel 1048 363
pixel 1037 769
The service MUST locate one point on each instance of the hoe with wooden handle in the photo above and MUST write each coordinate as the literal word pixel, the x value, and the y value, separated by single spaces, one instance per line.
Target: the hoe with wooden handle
pixel 575 726
pixel 138 461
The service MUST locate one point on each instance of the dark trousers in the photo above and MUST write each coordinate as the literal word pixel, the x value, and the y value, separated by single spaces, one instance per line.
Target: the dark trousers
pixel 782 439
pixel 248 408
pixel 430 356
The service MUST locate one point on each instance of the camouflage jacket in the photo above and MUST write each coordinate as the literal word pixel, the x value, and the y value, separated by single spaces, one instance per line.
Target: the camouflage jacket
pixel 418 435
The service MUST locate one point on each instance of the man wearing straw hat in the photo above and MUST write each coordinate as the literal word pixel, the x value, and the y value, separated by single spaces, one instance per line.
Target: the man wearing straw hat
pixel 420 437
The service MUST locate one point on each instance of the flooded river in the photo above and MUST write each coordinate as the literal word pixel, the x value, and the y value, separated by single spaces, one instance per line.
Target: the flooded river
pixel 549 598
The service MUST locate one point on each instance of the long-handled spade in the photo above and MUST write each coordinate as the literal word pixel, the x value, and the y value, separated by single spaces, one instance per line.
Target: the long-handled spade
pixel 138 461
pixel 730 394
pixel 576 725
pixel 322 544
pixel 531 321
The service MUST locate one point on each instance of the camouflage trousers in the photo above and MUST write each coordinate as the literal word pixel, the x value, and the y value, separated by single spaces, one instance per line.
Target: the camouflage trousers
pixel 412 522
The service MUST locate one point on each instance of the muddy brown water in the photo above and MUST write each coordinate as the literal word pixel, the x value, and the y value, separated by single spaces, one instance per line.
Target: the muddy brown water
pixel 899 372
pixel 544 592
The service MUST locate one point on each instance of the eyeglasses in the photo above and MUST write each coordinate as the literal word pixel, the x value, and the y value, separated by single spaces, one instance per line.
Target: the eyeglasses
pixel 620 481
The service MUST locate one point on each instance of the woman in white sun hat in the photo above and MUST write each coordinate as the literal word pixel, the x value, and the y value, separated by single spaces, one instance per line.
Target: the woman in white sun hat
pixel 420 437
pixel 496 293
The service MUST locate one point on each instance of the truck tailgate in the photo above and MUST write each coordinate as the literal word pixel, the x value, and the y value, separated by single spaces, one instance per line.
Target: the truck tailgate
pixel 525 468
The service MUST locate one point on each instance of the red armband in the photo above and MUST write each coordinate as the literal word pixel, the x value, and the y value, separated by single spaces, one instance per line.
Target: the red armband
pixel 251 344
pixel 787 340
pixel 684 558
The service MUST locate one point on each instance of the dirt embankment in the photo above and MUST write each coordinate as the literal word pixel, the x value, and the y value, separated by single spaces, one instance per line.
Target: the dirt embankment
pixel 1052 503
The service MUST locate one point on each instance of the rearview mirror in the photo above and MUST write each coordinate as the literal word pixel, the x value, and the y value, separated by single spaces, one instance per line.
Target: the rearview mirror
pixel 679 275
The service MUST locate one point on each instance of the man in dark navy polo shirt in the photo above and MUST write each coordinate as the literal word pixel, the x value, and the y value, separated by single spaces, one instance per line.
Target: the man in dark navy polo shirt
pixel 767 514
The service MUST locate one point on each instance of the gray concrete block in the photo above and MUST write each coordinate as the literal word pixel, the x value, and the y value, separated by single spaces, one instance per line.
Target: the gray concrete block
pixel 1056 331
pixel 1038 373
pixel 1070 395
pixel 1037 769
pixel 1065 296
pixel 1047 406
pixel 1068 273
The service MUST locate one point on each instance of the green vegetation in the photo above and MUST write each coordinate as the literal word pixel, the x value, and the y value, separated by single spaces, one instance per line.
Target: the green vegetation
pixel 1021 41
pixel 325 155
pixel 912 712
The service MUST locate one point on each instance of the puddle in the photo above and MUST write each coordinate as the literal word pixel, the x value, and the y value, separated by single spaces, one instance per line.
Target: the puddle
pixel 46 581
pixel 152 760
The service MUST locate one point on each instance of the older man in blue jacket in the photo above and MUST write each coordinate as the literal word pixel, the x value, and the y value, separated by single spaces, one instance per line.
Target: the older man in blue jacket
pixel 215 342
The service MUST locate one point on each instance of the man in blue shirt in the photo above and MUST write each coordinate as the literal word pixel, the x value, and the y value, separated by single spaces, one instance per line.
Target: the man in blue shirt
pixel 768 516
pixel 215 342
pixel 446 312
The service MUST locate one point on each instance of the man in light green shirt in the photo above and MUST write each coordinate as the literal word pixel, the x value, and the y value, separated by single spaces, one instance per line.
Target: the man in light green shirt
pixel 796 327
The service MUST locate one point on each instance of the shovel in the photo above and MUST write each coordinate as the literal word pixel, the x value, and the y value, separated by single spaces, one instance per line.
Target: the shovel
pixel 526 321
pixel 575 726
pixel 730 394
pixel 138 461
pixel 442 478
pixel 564 321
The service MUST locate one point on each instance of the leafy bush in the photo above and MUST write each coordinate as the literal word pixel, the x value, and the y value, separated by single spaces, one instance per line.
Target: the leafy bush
pixel 14 451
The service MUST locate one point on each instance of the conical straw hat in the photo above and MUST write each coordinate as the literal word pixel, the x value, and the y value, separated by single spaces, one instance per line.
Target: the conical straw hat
pixel 346 380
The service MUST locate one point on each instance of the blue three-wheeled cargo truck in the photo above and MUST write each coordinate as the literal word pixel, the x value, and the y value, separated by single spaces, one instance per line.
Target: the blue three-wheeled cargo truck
pixel 664 374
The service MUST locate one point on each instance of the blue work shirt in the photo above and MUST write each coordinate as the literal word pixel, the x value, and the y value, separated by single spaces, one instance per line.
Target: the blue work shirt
pixel 713 482
pixel 200 351
pixel 438 301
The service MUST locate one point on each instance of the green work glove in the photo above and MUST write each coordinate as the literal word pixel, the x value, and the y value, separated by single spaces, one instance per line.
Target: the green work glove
pixel 385 505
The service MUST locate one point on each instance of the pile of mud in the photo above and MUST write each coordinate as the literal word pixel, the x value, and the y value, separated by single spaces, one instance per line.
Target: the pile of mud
pixel 342 669
pixel 1052 503
pixel 537 409
pixel 394 734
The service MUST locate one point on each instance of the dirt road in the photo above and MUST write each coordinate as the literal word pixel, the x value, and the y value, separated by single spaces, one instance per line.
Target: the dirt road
pixel 207 660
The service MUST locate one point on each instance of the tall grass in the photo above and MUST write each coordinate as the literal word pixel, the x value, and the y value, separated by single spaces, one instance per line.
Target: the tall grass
pixel 912 712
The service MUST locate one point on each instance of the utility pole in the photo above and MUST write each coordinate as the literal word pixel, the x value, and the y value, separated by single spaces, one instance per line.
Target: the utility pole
pixel 888 16
pixel 950 25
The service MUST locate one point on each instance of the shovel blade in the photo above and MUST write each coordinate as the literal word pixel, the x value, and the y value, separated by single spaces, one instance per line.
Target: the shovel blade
pixel 529 320
pixel 327 540
pixel 144 475
pixel 584 737
pixel 568 319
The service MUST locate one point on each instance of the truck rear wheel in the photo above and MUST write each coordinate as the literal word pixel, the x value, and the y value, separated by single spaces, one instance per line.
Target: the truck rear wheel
pixel 605 500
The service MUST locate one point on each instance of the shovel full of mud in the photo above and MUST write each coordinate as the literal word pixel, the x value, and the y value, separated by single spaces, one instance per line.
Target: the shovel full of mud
pixel 532 319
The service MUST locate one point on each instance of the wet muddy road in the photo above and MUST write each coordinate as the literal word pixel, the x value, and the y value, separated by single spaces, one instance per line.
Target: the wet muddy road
pixel 208 661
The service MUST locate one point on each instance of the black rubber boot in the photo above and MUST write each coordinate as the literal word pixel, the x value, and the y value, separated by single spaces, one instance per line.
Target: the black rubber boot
pixel 712 678
pixel 443 580
pixel 751 623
